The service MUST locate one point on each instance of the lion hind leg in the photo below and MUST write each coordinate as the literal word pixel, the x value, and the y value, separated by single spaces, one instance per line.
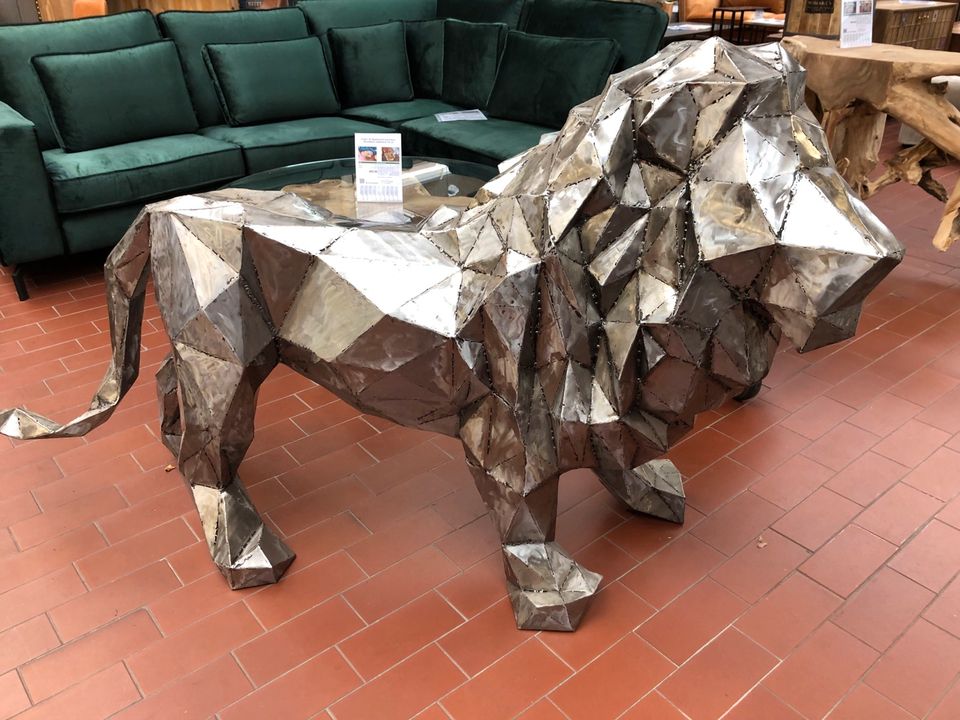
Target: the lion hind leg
pixel 654 488
pixel 548 589
pixel 207 407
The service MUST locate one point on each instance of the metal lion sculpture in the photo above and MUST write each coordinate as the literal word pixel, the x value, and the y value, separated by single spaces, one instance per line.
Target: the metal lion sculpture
pixel 612 283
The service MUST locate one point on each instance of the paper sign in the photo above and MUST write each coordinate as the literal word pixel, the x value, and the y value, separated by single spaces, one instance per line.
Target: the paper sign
pixel 460 115
pixel 856 23
pixel 379 176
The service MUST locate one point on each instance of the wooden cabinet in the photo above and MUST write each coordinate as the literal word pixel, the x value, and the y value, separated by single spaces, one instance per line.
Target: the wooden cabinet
pixel 924 25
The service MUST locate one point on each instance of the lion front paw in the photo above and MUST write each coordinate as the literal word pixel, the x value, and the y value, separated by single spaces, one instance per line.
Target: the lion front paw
pixel 264 559
pixel 548 589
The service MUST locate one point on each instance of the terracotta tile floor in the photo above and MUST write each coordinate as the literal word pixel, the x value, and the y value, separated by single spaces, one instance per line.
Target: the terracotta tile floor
pixel 816 575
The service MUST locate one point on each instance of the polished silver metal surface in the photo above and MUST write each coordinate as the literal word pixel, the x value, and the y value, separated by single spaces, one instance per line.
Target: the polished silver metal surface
pixel 609 285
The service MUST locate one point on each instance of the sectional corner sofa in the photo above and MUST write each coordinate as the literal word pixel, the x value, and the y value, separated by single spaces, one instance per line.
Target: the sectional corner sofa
pixel 100 116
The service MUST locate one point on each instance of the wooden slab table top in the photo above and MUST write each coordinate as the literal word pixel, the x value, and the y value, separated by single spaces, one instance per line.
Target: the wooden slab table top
pixel 858 87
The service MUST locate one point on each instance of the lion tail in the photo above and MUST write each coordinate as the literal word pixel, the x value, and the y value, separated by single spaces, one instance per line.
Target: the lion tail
pixel 126 270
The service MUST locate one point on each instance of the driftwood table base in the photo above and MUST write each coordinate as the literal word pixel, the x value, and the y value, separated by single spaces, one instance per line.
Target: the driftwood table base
pixel 858 87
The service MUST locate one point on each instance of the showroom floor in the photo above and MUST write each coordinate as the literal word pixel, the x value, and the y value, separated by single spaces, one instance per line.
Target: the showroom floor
pixel 816 574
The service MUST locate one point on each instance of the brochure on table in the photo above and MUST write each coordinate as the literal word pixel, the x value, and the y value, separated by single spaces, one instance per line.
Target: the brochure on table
pixel 856 23
pixel 379 176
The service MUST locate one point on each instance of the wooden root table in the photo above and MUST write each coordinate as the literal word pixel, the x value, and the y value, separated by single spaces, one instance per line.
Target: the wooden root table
pixel 858 87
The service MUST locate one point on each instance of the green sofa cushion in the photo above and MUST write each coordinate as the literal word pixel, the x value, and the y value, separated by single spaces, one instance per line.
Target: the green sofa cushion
pixel 485 141
pixel 19 85
pixel 395 114
pixel 541 78
pixel 252 91
pixel 192 30
pixel 638 28
pixel 425 54
pixel 116 96
pixel 503 11
pixel 139 171
pixel 293 141
pixel 371 64
pixel 325 14
pixel 470 71
pixel 98 228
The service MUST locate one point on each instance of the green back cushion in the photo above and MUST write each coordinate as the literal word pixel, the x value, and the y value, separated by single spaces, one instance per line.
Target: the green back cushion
pixel 471 60
pixel 192 30
pixel 371 64
pixel 504 11
pixel 19 85
pixel 116 96
pixel 638 28
pixel 325 14
pixel 252 91
pixel 425 53
pixel 541 78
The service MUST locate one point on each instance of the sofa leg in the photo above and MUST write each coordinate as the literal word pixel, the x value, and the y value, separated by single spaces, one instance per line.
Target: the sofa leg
pixel 20 283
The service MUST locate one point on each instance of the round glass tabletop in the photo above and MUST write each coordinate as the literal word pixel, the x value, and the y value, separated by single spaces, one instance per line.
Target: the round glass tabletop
pixel 428 184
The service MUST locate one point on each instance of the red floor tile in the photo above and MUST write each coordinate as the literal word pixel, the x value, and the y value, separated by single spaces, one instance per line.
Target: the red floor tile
pixel 760 566
pixel 737 523
pixel 761 704
pixel 866 478
pixel 793 481
pixel 301 693
pixel 718 676
pixel 270 655
pixel 865 702
pixel 847 560
pixel 931 558
pixel 918 669
pixel 883 608
pixel 673 570
pixel 912 443
pixel 945 610
pixel 82 658
pixel 654 706
pixel 819 672
pixel 898 513
pixel 692 620
pixel 193 647
pixel 403 691
pixel 613 682
pixel 512 684
pixel 380 646
pixel 786 616
pixel 818 518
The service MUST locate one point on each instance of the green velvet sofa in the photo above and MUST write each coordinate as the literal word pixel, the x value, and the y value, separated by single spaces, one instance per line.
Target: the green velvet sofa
pixel 86 141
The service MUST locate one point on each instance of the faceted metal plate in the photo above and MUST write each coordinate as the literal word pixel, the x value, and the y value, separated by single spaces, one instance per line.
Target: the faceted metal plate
pixel 613 282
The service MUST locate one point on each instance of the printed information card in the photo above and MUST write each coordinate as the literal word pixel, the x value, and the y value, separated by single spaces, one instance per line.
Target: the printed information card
pixel 379 176
pixel 856 23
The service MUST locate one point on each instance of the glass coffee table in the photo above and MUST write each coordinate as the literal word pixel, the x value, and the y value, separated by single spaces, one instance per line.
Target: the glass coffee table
pixel 428 184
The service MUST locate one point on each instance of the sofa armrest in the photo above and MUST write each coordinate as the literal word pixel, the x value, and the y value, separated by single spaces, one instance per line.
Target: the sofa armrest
pixel 29 229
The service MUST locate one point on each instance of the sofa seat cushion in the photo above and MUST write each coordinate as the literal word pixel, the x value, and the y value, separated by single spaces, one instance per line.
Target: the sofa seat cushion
pixel 139 171
pixel 294 141
pixel 488 141
pixel 395 114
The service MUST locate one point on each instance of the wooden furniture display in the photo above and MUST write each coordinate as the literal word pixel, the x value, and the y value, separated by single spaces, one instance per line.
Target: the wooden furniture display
pixel 925 25
pixel 858 87
pixel 813 17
